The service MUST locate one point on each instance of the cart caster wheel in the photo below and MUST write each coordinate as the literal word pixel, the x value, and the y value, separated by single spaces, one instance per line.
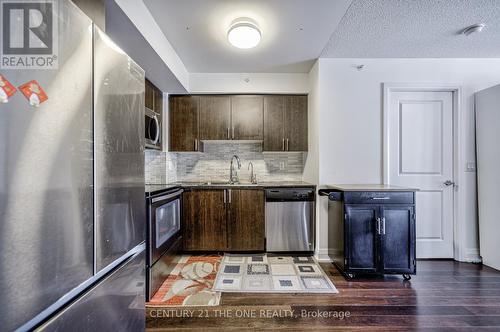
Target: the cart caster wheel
pixel 350 275
pixel 406 277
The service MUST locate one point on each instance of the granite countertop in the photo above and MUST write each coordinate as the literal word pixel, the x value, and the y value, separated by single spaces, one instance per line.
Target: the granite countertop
pixel 155 188
pixel 367 187
pixel 281 184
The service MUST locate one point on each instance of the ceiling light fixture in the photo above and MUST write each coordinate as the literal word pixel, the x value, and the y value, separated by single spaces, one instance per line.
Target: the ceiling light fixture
pixel 473 29
pixel 243 33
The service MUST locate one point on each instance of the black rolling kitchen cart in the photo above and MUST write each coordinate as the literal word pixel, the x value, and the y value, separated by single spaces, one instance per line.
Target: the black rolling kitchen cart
pixel 371 229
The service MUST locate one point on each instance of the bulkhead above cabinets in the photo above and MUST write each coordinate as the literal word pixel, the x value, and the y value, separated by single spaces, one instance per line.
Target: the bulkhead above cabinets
pixel 279 121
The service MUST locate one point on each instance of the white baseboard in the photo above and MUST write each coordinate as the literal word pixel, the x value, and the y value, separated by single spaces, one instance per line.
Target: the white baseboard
pixel 321 255
pixel 471 256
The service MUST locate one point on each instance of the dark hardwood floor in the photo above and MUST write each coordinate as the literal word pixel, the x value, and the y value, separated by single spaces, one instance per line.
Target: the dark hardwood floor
pixel 444 296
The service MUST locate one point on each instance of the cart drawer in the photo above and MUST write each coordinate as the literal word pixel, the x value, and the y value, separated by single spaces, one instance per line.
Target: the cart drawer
pixel 378 197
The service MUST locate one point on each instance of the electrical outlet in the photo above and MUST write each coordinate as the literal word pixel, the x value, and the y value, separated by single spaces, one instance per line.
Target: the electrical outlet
pixel 282 165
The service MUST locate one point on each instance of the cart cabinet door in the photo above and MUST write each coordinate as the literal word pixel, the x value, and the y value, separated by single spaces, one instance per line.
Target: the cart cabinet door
pixel 398 239
pixel 361 238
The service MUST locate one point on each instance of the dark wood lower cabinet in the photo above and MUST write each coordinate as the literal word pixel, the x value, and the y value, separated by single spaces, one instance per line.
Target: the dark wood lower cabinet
pixel 380 239
pixel 366 236
pixel 362 238
pixel 398 240
pixel 204 220
pixel 223 220
pixel 245 224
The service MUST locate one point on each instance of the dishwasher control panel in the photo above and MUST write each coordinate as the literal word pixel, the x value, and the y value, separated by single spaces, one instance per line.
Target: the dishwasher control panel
pixel 290 194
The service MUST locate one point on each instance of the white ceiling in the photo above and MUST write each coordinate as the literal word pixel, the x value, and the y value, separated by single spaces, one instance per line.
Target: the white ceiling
pixel 294 32
pixel 416 28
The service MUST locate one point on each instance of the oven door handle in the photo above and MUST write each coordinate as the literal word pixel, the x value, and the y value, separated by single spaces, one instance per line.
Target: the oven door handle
pixel 166 197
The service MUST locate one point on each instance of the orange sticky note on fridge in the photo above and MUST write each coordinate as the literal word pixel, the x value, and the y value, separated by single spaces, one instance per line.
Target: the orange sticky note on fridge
pixel 6 89
pixel 33 91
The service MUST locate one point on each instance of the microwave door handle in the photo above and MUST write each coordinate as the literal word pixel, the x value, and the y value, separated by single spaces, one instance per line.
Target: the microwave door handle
pixel 149 131
pixel 166 197
pixel 157 130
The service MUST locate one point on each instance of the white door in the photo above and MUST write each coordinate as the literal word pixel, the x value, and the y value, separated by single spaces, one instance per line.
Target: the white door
pixel 419 143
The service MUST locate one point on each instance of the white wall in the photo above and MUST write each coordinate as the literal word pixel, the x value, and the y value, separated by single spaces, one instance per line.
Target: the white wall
pixel 350 126
pixel 311 167
pixel 126 35
pixel 145 23
pixel 248 83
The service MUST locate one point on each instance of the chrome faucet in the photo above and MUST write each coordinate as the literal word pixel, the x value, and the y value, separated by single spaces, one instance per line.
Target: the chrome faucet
pixel 233 175
pixel 253 176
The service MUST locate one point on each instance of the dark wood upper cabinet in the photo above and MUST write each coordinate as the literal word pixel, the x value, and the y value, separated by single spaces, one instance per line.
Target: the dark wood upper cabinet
pixel 285 123
pixel 149 95
pixel 246 220
pixel 204 220
pixel 215 117
pixel 280 121
pixel 184 133
pixel 274 128
pixel 247 117
pixel 296 123
pixel 158 101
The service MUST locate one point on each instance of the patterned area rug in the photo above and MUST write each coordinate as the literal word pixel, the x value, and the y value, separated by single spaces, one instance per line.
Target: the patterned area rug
pixel 272 274
pixel 190 283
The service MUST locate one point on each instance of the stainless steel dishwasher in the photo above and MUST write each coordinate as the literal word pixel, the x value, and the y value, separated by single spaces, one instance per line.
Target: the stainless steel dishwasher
pixel 290 219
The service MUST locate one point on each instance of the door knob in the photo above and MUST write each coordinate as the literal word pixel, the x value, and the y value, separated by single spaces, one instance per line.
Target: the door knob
pixel 449 183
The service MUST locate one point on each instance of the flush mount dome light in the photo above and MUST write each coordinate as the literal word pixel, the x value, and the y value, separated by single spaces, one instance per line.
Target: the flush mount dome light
pixel 244 34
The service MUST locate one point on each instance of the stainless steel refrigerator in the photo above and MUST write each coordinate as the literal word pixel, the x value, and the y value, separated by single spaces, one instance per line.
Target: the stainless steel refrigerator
pixel 72 211
pixel 488 175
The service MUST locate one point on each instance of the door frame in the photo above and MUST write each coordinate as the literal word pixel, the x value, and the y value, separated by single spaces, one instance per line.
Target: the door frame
pixel 459 222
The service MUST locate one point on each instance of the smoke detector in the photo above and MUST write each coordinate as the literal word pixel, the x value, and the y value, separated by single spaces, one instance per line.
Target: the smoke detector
pixel 473 29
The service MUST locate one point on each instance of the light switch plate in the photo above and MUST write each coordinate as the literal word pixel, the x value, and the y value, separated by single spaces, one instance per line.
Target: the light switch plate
pixel 470 167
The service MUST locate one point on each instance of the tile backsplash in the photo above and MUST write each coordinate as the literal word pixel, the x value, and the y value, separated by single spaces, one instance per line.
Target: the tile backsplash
pixel 214 162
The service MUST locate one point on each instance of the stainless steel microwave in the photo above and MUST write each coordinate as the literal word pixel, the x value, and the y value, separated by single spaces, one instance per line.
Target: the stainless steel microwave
pixel 152 127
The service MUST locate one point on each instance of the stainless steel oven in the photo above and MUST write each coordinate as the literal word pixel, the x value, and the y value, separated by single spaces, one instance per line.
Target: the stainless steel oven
pixel 152 129
pixel 164 236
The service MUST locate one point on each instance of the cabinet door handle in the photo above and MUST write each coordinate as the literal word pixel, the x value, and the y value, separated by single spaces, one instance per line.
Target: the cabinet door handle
pixel 380 198
pixel 383 226
pixel 233 132
pixel 283 145
pixel 287 144
pixel 229 194
pixel 224 196
pixel 378 226
pixel 228 136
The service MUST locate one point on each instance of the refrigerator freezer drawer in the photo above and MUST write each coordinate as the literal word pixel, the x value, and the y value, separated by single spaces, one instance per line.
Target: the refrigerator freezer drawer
pixel 114 304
